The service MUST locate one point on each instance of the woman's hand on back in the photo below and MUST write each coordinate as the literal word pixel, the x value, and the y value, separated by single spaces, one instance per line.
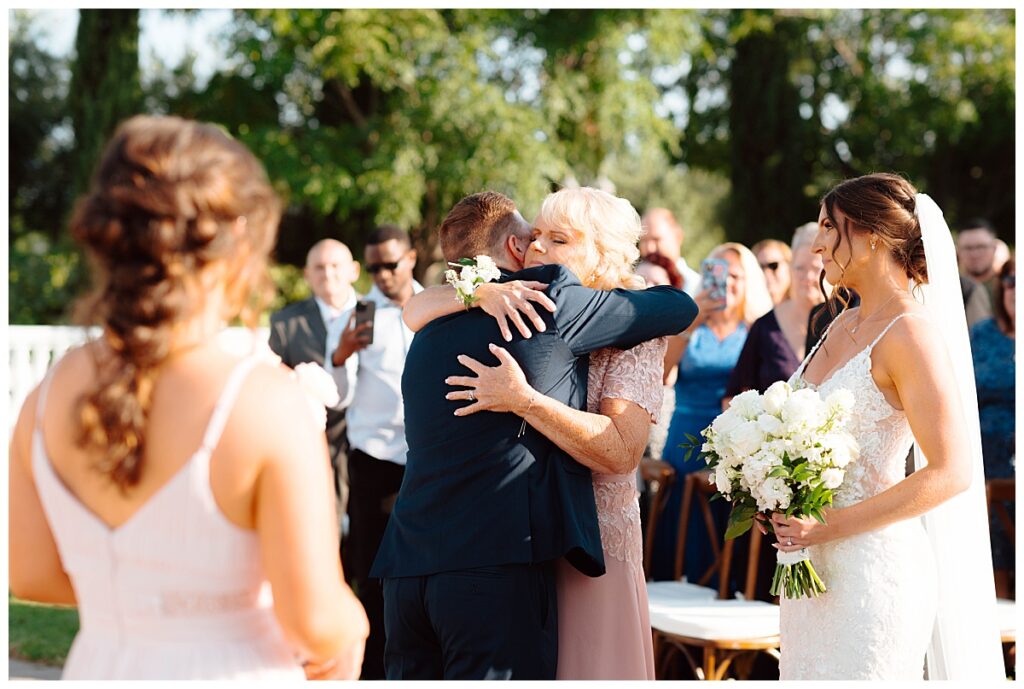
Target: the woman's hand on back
pixel 501 388
pixel 510 301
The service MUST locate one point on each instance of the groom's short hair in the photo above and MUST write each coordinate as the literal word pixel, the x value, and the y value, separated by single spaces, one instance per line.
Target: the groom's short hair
pixel 478 224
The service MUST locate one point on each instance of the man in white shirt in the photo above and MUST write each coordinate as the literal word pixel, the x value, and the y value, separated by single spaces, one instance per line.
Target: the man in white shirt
pixel 371 374
pixel 663 235
pixel 297 335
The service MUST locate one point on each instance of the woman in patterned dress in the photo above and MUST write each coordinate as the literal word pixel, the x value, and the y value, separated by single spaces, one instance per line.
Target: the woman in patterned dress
pixel 604 630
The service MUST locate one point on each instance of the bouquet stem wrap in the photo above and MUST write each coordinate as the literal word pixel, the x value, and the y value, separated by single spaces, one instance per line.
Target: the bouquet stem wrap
pixel 795 576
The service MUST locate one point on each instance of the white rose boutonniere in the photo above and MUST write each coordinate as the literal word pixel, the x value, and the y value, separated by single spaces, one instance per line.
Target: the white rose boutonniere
pixel 471 273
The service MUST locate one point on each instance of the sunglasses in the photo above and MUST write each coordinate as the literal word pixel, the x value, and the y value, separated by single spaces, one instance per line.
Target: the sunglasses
pixel 1010 282
pixel 374 268
pixel 773 266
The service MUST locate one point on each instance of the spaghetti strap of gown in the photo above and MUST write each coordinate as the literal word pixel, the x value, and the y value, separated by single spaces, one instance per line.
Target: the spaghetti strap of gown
pixel 175 592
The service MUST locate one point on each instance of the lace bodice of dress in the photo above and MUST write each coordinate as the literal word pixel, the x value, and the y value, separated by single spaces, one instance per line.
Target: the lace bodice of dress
pixel 635 375
pixel 882 431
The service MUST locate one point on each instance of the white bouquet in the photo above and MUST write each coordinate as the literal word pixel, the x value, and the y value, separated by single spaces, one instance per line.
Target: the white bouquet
pixel 783 451
pixel 472 273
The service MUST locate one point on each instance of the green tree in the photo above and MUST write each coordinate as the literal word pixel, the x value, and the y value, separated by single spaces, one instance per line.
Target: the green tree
pixel 926 93
pixel 105 85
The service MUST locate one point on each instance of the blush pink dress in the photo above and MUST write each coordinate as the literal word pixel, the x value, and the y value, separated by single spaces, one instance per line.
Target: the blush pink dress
pixel 604 628
pixel 177 591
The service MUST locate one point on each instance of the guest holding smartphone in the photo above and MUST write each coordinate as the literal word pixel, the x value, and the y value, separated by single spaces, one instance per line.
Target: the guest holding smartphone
pixel 705 355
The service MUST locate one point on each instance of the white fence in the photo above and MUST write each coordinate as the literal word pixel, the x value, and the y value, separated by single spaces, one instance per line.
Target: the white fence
pixel 34 348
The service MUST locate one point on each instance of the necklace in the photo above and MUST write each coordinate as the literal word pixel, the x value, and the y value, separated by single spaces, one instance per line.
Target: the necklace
pixel 862 321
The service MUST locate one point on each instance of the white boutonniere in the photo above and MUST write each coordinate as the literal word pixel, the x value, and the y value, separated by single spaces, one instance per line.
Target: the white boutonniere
pixel 472 273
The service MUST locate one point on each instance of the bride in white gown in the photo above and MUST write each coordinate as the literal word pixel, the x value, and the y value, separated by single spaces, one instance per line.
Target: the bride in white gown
pixel 906 560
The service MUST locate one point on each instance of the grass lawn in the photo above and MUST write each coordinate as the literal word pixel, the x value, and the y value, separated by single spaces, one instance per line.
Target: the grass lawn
pixel 40 633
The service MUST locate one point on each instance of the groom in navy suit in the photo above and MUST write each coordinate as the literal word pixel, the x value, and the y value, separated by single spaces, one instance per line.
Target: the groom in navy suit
pixel 484 510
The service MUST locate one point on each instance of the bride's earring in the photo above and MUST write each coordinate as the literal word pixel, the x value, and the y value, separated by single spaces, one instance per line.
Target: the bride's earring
pixel 874 243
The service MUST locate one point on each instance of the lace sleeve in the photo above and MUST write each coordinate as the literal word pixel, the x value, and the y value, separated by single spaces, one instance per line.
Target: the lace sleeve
pixel 636 374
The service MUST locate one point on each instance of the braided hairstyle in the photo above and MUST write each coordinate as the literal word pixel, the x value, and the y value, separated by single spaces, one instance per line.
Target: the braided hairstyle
pixel 885 204
pixel 169 198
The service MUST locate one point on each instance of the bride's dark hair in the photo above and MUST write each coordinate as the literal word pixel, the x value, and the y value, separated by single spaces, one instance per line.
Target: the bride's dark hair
pixel 168 198
pixel 885 204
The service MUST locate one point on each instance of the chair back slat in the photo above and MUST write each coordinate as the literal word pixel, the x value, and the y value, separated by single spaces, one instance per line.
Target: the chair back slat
pixel 697 493
pixel 659 476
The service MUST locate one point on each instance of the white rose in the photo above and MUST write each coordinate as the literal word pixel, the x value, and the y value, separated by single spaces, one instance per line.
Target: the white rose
pixel 747 404
pixel 803 409
pixel 450 276
pixel 755 470
pixel 465 286
pixel 725 422
pixel 840 402
pixel 769 424
pixel 486 268
pixel 722 480
pixel 775 396
pixel 815 455
pixel 833 478
pixel 842 448
pixel 746 439
pixel 774 495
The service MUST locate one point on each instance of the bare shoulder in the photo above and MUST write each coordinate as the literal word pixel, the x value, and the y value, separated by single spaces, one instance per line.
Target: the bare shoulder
pixel 271 395
pixel 912 346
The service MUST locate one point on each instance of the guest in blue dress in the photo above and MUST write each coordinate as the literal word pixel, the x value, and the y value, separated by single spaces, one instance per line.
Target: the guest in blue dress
pixel 992 345
pixel 705 354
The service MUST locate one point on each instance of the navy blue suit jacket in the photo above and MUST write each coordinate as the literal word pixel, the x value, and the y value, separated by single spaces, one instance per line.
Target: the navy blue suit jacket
pixel 475 494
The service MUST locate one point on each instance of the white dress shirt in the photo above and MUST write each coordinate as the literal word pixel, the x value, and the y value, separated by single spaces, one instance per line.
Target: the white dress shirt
pixel 330 315
pixel 372 380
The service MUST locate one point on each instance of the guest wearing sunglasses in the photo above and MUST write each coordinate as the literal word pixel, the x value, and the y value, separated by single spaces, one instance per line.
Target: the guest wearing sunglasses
pixel 992 346
pixel 774 258
pixel 371 367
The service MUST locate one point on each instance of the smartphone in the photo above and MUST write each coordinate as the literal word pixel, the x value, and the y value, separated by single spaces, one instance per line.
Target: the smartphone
pixel 364 314
pixel 714 273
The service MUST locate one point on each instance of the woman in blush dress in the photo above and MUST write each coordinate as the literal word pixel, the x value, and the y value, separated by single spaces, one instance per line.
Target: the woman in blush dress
pixel 177 493
pixel 604 630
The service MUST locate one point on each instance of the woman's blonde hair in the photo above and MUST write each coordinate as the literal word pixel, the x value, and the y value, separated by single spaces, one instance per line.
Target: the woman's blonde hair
pixel 611 222
pixel 756 301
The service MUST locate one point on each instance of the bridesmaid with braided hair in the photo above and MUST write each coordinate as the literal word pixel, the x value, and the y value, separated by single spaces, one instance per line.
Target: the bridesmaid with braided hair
pixel 177 493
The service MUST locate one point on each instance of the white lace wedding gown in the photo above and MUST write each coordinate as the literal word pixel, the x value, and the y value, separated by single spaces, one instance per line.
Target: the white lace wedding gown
pixel 875 620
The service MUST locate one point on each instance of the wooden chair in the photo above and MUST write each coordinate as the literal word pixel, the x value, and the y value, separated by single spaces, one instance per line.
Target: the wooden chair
pixel 728 633
pixel 659 477
pixel 1000 493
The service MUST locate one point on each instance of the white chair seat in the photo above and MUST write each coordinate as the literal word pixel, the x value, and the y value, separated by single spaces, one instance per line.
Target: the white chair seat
pixel 718 619
pixel 665 596
pixel 1006 615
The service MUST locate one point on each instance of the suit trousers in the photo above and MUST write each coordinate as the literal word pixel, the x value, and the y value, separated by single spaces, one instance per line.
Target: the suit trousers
pixel 485 623
pixel 373 487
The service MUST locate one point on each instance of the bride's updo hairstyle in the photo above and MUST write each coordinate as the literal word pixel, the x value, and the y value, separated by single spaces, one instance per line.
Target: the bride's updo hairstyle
pixel 885 204
pixel 610 222
pixel 169 198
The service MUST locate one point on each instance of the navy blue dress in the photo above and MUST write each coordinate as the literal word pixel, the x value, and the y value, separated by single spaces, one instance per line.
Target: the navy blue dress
pixel 994 374
pixel 766 358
